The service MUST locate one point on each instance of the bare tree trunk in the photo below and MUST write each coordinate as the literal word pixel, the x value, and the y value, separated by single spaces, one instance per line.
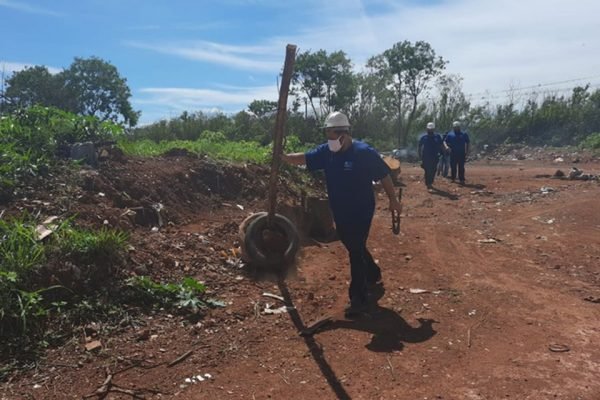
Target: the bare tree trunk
pixel 409 123
pixel 400 132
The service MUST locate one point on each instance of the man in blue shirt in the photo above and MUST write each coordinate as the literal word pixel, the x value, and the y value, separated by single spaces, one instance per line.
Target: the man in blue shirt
pixel 350 168
pixel 458 142
pixel 431 146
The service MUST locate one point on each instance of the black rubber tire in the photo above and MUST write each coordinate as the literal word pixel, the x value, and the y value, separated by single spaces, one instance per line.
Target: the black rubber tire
pixel 253 240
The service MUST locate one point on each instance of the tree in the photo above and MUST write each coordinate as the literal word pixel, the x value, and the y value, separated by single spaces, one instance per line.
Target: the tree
pixel 451 103
pixel 262 108
pixel 96 88
pixel 88 87
pixel 407 70
pixel 33 86
pixel 326 80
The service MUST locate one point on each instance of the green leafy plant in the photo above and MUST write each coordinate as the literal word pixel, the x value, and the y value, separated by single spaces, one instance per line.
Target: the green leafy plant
pixel 186 295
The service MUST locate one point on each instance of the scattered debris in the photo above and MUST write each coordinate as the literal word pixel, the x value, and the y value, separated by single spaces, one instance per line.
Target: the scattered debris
pixel 273 296
pixel 94 345
pixel 43 232
pixel 547 189
pixel 418 291
pixel 280 310
pixel 558 348
pixel 559 160
pixel 180 358
pixel 559 174
pixel 198 378
pixel 489 240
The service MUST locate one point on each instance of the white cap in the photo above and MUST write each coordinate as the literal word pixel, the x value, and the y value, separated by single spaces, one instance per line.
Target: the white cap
pixel 430 125
pixel 456 124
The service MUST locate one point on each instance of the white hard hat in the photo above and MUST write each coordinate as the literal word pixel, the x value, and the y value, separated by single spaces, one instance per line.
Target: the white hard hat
pixel 430 125
pixel 337 120
pixel 456 124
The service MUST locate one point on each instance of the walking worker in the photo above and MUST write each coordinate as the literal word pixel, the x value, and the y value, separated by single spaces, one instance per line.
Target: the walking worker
pixel 351 167
pixel 458 142
pixel 431 146
pixel 444 164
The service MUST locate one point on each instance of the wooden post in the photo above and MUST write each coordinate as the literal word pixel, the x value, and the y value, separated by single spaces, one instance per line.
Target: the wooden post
pixel 281 118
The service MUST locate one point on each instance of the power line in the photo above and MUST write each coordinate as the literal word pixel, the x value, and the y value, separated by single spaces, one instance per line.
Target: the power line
pixel 539 85
pixel 545 92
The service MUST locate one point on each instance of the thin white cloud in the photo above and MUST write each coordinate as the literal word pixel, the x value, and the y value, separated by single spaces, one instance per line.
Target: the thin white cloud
pixel 9 67
pixel 161 103
pixel 24 7
pixel 181 99
pixel 491 44
pixel 257 58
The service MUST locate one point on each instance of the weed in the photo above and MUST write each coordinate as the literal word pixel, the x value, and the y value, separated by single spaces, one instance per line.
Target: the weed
pixel 186 295
pixel 89 246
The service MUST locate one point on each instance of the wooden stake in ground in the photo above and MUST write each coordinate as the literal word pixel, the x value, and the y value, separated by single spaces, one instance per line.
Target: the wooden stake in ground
pixel 288 68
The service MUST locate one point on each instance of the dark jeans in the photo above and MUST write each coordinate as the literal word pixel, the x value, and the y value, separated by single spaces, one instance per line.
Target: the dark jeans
pixel 430 166
pixel 444 165
pixel 363 269
pixel 457 160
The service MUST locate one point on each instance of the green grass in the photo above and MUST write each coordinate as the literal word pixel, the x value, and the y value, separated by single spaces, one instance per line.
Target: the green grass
pixel 212 144
pixel 231 151
pixel 22 303
pixel 88 246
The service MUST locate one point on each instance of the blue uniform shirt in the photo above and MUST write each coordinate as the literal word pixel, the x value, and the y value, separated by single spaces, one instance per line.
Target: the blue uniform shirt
pixel 457 141
pixel 350 175
pixel 432 146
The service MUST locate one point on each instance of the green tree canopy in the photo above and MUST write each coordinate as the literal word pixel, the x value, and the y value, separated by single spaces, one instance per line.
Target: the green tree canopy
pixel 326 80
pixel 407 69
pixel 96 88
pixel 89 87
pixel 32 86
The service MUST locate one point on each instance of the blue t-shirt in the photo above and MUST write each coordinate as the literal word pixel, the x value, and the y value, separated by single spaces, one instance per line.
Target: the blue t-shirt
pixel 350 175
pixel 457 141
pixel 432 146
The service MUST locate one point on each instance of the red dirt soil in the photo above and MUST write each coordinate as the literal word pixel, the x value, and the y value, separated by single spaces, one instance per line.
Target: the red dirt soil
pixel 485 328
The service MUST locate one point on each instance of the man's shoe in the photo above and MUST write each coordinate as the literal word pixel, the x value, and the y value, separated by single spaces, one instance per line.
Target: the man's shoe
pixel 354 310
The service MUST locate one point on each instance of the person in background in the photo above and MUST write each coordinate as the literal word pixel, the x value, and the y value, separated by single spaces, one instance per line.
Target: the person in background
pixel 430 147
pixel 444 163
pixel 351 167
pixel 458 142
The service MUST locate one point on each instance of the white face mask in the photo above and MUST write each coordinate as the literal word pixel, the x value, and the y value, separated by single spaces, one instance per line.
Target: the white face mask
pixel 334 145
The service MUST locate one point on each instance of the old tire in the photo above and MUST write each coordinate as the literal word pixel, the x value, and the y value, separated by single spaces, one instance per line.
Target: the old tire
pixel 255 246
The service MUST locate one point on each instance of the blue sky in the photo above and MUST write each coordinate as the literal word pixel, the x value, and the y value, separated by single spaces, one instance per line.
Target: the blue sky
pixel 219 55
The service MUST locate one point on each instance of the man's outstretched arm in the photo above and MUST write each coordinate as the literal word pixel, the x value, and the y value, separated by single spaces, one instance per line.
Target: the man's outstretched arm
pixel 294 158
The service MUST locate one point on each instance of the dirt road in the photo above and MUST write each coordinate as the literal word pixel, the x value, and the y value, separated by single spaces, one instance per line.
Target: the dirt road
pixel 505 269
